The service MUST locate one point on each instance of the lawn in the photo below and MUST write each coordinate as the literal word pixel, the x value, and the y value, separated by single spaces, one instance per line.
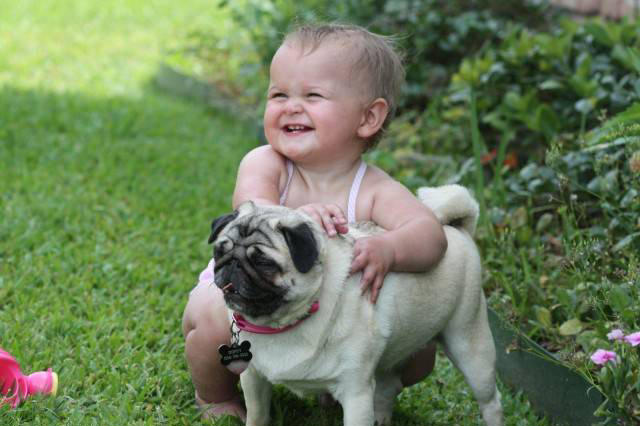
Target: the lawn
pixel 107 189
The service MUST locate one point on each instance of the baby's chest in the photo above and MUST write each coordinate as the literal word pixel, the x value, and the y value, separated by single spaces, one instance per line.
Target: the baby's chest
pixel 362 203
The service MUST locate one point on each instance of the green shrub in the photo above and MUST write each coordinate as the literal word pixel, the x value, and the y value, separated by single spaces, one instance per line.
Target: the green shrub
pixel 569 233
pixel 536 89
pixel 539 85
pixel 436 35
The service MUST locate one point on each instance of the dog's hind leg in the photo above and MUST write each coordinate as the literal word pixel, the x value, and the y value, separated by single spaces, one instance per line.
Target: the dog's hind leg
pixel 472 351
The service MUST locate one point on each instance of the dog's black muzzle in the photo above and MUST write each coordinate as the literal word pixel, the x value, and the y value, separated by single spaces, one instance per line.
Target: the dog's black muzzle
pixel 245 289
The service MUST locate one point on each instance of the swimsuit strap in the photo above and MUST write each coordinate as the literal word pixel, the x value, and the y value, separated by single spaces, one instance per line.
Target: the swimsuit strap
pixel 353 194
pixel 285 191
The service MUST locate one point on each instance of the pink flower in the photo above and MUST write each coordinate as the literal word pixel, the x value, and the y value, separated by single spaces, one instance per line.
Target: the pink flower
pixel 633 339
pixel 601 356
pixel 616 334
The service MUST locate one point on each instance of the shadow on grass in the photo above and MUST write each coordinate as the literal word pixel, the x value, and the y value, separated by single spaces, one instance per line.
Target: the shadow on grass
pixel 173 82
pixel 154 113
pixel 176 143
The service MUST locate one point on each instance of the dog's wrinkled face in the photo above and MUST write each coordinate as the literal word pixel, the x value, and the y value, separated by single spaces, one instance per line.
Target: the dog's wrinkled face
pixel 266 258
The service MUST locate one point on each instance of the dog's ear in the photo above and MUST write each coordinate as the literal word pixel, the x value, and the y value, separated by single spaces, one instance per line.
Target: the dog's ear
pixel 302 246
pixel 219 223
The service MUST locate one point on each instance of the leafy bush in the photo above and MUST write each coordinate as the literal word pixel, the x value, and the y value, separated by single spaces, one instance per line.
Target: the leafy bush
pixel 435 35
pixel 537 86
pixel 561 249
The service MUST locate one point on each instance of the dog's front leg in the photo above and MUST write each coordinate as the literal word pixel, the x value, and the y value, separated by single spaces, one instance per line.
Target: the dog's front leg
pixel 357 404
pixel 257 396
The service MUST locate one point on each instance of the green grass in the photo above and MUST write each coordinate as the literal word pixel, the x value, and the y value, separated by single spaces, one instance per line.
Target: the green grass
pixel 107 188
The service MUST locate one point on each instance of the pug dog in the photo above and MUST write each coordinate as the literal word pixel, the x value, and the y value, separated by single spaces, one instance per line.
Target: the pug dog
pixel 290 296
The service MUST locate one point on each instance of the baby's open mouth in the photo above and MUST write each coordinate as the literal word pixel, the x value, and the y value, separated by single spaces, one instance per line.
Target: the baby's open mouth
pixel 296 128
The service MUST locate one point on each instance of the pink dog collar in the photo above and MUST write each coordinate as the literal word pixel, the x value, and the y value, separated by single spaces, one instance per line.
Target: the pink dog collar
pixel 245 325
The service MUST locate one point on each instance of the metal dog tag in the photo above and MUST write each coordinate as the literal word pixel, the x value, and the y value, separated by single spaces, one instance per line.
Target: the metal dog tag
pixel 237 356
pixel 235 352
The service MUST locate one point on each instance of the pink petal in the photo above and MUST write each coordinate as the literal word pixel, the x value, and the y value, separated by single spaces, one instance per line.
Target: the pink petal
pixel 633 339
pixel 616 334
pixel 601 356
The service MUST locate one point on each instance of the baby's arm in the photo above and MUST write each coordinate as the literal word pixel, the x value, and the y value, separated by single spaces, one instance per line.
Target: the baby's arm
pixel 259 177
pixel 262 174
pixel 414 240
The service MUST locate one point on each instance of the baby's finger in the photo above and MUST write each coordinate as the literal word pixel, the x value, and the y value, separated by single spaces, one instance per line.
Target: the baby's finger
pixel 328 224
pixel 375 289
pixel 365 281
pixel 358 263
pixel 337 213
pixel 341 228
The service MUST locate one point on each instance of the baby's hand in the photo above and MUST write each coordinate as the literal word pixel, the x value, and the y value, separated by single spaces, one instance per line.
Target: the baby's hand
pixel 329 216
pixel 374 257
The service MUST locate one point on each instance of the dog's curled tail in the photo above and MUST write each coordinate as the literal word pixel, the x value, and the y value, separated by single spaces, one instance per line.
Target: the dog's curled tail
pixel 452 205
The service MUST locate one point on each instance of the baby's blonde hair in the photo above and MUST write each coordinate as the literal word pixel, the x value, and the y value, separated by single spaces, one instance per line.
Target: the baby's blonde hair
pixel 377 55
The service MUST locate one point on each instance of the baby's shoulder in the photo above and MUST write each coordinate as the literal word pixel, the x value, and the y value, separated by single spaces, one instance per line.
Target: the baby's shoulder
pixel 377 180
pixel 264 160
pixel 265 154
pixel 377 189
pixel 263 164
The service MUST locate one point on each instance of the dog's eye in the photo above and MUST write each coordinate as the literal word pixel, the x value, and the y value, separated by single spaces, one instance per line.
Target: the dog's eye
pixel 218 251
pixel 222 247
pixel 258 258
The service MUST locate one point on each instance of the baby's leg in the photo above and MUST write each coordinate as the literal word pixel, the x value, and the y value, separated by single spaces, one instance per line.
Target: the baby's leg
pixel 419 366
pixel 205 326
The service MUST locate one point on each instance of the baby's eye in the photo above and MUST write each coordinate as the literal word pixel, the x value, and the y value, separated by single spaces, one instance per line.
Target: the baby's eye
pixel 314 95
pixel 277 95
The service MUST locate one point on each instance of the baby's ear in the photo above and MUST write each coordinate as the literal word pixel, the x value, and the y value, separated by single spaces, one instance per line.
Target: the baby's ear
pixel 373 118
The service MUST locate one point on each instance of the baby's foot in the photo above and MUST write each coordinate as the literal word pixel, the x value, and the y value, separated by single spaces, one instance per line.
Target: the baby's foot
pixel 214 410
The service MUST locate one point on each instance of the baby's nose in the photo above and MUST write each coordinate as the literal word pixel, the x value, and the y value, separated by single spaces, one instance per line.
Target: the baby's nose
pixel 294 106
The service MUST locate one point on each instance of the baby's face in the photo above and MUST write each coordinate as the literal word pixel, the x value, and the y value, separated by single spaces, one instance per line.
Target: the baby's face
pixel 315 103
